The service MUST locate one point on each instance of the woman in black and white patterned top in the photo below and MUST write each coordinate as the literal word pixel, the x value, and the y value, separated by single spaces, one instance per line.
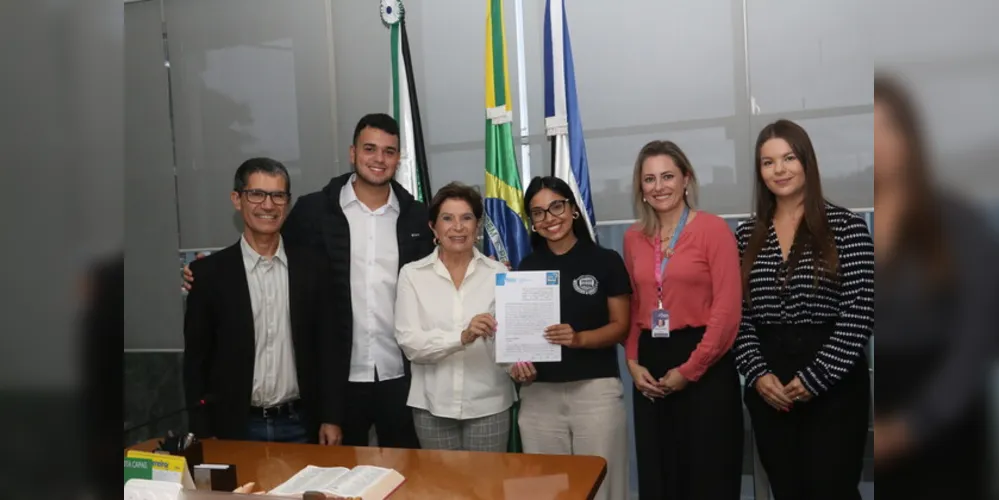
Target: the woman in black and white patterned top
pixel 808 313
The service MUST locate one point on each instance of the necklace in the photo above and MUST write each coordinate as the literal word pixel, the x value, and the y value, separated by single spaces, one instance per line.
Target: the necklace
pixel 667 251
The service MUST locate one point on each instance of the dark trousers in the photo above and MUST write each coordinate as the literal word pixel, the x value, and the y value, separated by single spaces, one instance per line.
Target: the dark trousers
pixel 282 429
pixel 815 451
pixel 689 444
pixel 382 404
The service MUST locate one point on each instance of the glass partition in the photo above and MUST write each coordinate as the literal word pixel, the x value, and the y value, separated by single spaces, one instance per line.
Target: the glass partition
pixel 214 82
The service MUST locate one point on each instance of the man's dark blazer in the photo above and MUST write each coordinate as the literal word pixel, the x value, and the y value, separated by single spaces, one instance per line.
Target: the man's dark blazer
pixel 219 343
pixel 318 221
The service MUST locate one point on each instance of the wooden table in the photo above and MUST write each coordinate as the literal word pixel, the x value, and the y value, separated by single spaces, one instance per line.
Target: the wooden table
pixel 429 473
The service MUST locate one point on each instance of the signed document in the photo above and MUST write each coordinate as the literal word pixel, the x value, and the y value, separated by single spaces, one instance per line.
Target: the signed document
pixel 527 302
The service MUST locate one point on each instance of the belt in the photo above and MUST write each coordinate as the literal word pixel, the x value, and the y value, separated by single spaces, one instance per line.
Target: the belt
pixel 287 408
pixel 684 330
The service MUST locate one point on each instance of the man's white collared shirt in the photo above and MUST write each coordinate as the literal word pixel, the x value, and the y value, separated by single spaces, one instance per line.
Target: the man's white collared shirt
pixel 450 380
pixel 275 379
pixel 374 268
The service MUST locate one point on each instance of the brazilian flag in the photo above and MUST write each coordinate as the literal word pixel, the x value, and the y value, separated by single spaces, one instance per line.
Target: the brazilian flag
pixel 506 224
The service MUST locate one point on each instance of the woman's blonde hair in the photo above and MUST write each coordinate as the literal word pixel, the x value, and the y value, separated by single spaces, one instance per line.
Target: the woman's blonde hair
pixel 647 219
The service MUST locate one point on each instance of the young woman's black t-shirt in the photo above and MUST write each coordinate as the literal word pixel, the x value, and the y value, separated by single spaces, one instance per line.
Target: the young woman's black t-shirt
pixel 589 274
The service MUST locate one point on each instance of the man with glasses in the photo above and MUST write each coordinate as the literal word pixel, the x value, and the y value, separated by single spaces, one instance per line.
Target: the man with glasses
pixel 368 226
pixel 260 350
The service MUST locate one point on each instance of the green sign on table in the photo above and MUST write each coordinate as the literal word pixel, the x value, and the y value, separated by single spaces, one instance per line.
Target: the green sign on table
pixel 138 468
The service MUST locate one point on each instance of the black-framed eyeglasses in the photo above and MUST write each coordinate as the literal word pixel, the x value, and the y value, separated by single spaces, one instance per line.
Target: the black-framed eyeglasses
pixel 257 196
pixel 555 208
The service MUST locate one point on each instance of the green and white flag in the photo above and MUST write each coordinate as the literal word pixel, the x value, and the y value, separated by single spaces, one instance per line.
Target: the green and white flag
pixel 413 172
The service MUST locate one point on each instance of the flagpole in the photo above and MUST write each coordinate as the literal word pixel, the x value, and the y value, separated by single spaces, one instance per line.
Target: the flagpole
pixel 525 129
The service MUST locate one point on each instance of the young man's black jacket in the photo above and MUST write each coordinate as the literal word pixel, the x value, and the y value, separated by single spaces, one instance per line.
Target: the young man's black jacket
pixel 317 220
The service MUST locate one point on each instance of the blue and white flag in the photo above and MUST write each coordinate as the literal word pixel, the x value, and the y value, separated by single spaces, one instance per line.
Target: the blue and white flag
pixel 562 120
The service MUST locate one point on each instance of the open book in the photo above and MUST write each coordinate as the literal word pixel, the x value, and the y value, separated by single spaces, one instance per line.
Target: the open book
pixel 364 482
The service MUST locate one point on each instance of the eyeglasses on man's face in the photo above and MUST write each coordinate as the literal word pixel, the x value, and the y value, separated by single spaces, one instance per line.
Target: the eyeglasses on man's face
pixel 555 208
pixel 257 196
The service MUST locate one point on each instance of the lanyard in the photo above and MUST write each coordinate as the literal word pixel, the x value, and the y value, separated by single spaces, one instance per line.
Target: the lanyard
pixel 661 260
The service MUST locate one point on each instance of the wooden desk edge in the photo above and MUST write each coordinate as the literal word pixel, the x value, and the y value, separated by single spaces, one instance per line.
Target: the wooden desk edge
pixel 600 477
pixel 150 445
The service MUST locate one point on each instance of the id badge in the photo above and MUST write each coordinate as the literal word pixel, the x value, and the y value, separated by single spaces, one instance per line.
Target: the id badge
pixel 660 324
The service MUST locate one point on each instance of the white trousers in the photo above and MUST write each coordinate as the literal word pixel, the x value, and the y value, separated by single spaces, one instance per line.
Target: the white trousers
pixel 586 417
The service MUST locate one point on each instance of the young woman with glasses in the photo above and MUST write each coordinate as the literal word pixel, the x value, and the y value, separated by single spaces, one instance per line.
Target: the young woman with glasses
pixel 575 406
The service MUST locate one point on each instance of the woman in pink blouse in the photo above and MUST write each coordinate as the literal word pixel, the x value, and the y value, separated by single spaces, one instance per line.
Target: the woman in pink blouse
pixel 685 312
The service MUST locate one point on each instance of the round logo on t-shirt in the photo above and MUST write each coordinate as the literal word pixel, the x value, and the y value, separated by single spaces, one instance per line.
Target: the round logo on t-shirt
pixel 585 284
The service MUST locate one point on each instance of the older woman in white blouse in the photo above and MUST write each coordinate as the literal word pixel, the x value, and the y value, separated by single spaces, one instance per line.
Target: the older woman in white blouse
pixel 460 397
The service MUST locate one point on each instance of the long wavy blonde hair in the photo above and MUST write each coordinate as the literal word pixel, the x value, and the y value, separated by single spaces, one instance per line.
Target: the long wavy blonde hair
pixel 647 218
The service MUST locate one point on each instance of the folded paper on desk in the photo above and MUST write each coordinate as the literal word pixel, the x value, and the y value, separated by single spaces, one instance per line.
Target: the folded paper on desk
pixel 362 482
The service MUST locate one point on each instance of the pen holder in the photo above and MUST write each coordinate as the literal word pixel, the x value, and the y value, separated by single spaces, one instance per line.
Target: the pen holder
pixel 194 455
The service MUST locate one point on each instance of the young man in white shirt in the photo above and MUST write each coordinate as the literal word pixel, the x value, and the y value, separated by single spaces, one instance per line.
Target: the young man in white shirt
pixel 369 226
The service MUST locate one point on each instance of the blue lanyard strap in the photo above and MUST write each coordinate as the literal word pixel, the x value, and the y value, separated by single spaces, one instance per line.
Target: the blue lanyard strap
pixel 669 250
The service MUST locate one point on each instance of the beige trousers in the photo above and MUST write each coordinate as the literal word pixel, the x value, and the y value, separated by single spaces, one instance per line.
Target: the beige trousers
pixel 586 417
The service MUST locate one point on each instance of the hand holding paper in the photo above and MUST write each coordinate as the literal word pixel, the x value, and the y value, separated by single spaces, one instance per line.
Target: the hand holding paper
pixel 523 372
pixel 482 325
pixel 563 335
